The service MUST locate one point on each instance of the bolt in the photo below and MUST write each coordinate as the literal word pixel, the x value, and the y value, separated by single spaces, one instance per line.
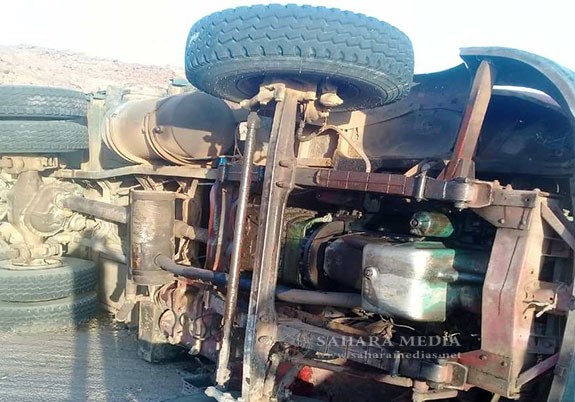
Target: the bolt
pixel 284 163
pixel 282 184
pixel 369 272
pixel 504 364
pixel 501 221
pixel 266 319
pixel 482 357
pixel 157 130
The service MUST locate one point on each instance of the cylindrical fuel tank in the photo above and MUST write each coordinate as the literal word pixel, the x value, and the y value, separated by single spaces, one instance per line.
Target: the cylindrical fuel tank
pixel 178 129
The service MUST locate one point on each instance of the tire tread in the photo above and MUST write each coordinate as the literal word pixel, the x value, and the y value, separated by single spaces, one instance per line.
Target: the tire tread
pixel 46 316
pixel 276 32
pixel 76 276
pixel 29 102
pixel 32 136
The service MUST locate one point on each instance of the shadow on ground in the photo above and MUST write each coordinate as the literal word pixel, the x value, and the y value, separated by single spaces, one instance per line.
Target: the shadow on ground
pixel 96 362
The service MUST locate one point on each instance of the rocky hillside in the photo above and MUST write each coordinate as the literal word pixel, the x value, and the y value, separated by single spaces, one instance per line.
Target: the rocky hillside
pixel 33 65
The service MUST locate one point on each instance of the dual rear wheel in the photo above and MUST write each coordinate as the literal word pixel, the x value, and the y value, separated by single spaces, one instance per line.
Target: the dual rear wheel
pixel 42 120
pixel 47 298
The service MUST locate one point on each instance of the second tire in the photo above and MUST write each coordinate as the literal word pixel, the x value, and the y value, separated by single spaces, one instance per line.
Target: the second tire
pixel 34 136
pixel 73 277
pixel 47 316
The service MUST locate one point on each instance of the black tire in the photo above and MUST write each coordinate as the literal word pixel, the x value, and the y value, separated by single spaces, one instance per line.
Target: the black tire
pixel 30 102
pixel 75 276
pixel 47 316
pixel 54 136
pixel 229 53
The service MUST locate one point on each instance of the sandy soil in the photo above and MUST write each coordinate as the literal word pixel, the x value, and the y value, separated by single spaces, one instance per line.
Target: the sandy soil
pixel 40 66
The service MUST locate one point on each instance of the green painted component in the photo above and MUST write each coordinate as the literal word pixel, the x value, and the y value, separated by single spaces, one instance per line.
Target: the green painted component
pixel 431 224
pixel 296 231
pixel 422 280
pixel 180 82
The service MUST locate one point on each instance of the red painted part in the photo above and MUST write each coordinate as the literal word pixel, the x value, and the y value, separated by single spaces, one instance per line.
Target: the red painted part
pixel 306 374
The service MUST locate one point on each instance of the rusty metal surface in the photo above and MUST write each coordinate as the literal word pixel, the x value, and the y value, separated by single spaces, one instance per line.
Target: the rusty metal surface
pixel 515 264
pixel 151 234
pixel 537 370
pixel 185 319
pixel 461 163
pixel 322 369
pixel 219 200
pixel 223 372
pixel 277 184
pixel 513 292
pixel 557 220
pixel 471 193
pixel 153 345
pixel 380 354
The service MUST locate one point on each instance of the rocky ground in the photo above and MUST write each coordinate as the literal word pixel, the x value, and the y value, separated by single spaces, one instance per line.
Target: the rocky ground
pixel 33 65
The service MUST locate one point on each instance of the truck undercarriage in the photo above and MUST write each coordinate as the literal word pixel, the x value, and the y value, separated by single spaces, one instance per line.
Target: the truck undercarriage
pixel 424 245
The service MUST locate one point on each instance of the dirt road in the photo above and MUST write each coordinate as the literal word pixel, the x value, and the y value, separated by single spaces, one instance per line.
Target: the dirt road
pixel 98 362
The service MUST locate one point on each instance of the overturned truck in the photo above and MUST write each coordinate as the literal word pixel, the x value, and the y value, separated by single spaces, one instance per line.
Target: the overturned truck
pixel 311 217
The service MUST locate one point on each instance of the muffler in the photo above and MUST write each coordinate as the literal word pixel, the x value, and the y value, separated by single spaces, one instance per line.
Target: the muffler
pixel 179 129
